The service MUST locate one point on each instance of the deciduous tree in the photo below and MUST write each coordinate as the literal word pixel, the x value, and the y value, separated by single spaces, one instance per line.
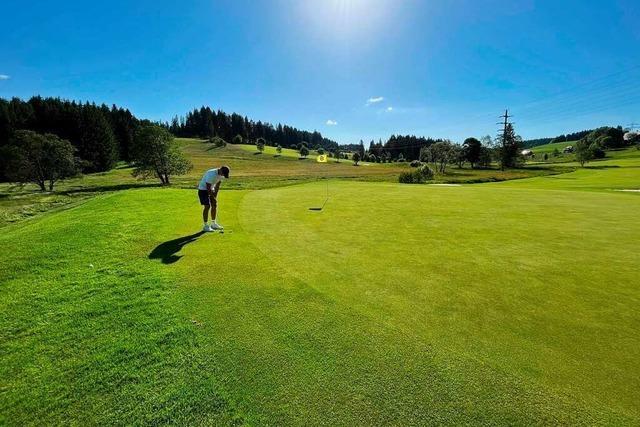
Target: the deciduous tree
pixel 37 158
pixel 156 153
pixel 583 151
pixel 356 158
pixel 472 150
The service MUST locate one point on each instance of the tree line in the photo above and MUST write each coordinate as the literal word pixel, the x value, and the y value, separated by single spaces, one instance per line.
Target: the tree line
pixel 100 135
pixel 70 137
pixel 405 147
pixel 44 140
pixel 208 124
pixel 575 136
pixel 594 144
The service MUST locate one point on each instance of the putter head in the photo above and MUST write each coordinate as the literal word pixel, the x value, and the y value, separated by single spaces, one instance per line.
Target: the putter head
pixel 315 209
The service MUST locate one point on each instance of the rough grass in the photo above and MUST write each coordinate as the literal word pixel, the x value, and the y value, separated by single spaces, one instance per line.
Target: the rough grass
pixel 512 303
pixel 249 171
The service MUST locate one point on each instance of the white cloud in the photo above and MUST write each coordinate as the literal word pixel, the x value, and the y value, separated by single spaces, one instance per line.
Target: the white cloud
pixel 4 77
pixel 331 123
pixel 375 100
pixel 389 108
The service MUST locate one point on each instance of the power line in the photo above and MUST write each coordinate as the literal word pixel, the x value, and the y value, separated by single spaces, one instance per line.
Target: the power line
pixel 576 112
pixel 586 102
pixel 603 79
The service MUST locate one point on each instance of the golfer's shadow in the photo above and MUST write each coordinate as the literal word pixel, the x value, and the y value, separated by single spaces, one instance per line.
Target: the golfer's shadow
pixel 166 252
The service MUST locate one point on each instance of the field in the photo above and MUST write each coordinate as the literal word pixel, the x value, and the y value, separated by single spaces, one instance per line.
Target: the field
pixel 502 303
pixel 251 170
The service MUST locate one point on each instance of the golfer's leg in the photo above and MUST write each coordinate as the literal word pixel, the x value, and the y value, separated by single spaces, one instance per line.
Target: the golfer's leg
pixel 205 214
pixel 214 209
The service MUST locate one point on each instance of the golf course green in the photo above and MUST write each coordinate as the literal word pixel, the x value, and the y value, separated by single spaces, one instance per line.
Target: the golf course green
pixel 510 303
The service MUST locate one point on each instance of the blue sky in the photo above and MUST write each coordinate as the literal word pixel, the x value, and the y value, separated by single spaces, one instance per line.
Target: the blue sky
pixel 352 69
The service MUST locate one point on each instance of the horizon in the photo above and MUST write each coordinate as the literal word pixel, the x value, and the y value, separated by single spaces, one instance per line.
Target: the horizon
pixel 355 70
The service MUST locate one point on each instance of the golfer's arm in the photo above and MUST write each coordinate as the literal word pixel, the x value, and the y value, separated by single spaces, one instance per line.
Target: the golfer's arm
pixel 216 189
pixel 210 190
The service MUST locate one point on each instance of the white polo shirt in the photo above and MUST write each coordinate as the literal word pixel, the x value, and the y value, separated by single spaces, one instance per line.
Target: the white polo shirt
pixel 212 177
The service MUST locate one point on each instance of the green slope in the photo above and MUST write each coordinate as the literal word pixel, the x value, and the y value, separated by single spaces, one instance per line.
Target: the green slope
pixel 550 148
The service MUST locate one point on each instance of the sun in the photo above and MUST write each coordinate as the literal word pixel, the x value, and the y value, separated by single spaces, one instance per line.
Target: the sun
pixel 348 20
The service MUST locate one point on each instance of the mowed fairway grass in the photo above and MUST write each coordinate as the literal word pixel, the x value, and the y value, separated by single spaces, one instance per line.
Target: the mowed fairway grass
pixel 511 303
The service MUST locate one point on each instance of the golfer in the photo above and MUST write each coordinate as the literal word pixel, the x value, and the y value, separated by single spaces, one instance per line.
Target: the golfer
pixel 208 194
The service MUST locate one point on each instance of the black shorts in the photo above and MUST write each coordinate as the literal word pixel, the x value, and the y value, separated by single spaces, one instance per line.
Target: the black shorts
pixel 203 195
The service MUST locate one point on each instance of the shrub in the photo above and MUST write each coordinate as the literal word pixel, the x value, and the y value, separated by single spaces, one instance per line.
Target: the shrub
pixel 426 172
pixel 217 142
pixel 415 163
pixel 409 177
pixel 417 176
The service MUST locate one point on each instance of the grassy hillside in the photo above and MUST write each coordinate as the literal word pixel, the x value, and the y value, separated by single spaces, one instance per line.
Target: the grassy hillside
pixel 550 148
pixel 250 170
pixel 540 151
pixel 271 151
pixel 511 303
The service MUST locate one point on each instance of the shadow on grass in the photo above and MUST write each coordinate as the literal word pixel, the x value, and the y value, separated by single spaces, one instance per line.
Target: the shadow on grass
pixel 530 168
pixel 602 167
pixel 107 188
pixel 166 252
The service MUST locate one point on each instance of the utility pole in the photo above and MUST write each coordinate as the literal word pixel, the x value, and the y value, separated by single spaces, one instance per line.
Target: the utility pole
pixel 506 122
pixel 502 134
pixel 633 126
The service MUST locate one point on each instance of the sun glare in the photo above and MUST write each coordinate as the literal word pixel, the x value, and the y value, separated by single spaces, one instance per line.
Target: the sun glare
pixel 348 20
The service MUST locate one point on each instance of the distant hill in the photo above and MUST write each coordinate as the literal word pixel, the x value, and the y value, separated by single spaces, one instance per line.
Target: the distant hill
pixel 530 143
pixel 205 122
